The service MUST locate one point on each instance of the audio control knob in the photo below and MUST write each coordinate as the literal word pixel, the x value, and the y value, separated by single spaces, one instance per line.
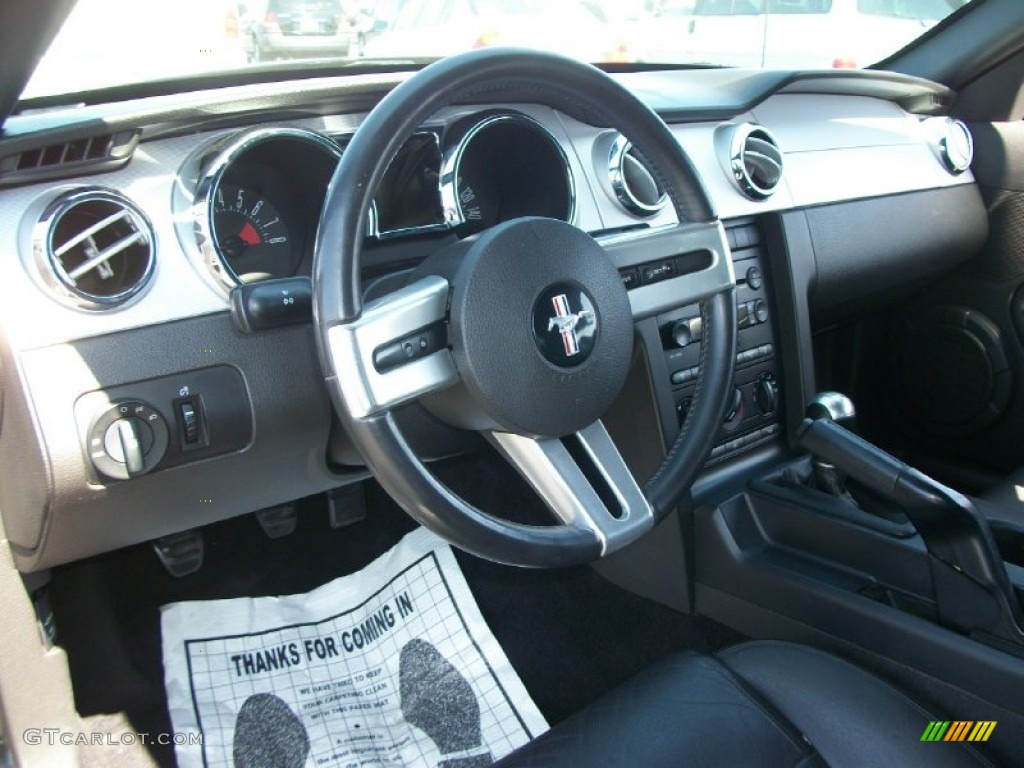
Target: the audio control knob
pixel 681 333
pixel 759 310
pixel 128 439
pixel 766 394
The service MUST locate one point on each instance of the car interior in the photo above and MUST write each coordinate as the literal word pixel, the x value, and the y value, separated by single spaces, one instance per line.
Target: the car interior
pixel 712 377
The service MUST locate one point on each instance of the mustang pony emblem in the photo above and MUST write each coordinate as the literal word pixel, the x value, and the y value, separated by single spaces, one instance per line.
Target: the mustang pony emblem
pixel 566 321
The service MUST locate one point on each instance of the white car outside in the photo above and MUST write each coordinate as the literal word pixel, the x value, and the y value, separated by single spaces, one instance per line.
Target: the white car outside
pixel 788 34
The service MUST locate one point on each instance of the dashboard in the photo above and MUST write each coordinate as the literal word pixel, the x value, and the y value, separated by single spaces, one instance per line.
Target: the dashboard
pixel 124 250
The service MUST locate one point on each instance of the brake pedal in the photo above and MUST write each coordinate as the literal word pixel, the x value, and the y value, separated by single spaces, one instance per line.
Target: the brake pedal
pixel 346 505
pixel 180 553
pixel 278 521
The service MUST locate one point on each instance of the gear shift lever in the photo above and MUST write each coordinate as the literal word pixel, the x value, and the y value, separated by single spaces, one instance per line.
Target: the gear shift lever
pixel 832 405
pixel 837 407
pixel 973 593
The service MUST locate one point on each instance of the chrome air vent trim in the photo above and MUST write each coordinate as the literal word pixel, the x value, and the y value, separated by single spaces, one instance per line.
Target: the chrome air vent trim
pixel 956 146
pixel 635 187
pixel 755 161
pixel 94 248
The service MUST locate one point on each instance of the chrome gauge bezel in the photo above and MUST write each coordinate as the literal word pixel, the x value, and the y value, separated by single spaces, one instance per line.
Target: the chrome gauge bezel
pixel 454 215
pixel 203 202
pixel 373 216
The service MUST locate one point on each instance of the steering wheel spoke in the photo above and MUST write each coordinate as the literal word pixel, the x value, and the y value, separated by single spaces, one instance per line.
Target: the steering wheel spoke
pixel 584 480
pixel 537 330
pixel 395 351
pixel 676 265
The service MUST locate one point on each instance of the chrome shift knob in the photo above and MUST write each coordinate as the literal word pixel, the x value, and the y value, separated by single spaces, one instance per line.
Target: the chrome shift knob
pixel 832 405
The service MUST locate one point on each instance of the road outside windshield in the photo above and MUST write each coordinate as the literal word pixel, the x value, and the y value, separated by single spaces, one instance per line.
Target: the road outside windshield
pixel 118 42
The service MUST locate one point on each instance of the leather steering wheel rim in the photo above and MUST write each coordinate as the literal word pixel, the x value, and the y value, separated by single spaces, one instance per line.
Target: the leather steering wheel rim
pixel 587 94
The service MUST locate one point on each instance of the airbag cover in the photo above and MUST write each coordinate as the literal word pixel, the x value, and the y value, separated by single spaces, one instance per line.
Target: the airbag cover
pixel 540 327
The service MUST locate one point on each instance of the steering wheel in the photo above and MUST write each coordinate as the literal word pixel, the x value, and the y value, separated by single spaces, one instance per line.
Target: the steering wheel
pixel 524 333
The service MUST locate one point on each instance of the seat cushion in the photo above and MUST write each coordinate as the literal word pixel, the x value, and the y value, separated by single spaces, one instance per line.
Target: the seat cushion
pixel 757 704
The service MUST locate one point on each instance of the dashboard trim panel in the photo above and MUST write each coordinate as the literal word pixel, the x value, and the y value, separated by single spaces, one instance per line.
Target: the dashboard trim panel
pixel 835 144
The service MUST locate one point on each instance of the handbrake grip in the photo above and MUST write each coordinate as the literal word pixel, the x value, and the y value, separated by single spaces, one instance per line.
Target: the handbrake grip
pixel 861 460
pixel 972 590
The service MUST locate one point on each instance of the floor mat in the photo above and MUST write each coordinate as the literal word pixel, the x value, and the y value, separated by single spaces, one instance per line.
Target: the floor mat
pixel 570 634
pixel 392 665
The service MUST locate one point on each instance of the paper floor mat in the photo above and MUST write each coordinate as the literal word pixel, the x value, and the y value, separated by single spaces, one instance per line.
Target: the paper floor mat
pixel 392 665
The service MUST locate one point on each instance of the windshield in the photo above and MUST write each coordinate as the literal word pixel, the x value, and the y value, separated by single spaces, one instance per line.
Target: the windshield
pixel 119 42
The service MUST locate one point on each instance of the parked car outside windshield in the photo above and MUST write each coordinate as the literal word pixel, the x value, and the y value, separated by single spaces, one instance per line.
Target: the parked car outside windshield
pixel 285 29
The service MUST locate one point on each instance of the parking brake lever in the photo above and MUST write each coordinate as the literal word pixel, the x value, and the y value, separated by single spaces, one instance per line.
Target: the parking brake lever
pixel 973 593
pixel 839 408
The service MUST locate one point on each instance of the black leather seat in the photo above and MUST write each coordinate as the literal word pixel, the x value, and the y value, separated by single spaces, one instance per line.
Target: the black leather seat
pixel 757 704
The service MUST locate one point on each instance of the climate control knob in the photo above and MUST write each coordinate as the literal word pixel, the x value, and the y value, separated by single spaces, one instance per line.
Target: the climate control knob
pixel 766 394
pixel 128 439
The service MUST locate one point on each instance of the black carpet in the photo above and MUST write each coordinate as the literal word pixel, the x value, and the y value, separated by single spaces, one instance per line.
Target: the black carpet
pixel 569 634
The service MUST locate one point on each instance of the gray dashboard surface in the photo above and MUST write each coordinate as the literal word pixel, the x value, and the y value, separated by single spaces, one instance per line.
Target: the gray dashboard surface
pixel 285 460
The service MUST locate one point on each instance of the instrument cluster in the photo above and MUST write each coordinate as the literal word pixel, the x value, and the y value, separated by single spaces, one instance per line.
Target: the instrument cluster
pixel 259 197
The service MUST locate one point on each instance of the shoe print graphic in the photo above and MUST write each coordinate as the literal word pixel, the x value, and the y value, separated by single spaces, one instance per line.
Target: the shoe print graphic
pixel 268 733
pixel 437 700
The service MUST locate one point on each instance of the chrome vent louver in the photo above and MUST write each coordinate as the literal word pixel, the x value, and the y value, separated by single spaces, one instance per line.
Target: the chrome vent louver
pixel 755 161
pixel 635 187
pixel 94 248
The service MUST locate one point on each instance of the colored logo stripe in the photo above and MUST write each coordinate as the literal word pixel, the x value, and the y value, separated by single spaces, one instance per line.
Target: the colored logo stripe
pixel 959 730
pixel 982 730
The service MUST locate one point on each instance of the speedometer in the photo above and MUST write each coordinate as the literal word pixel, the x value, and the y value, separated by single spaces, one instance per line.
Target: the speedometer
pixel 503 166
pixel 251 235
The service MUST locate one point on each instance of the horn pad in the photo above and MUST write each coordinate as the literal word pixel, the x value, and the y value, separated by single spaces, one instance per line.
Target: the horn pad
pixel 540 328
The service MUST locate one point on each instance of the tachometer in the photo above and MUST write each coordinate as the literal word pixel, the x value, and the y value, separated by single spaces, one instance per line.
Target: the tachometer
pixel 251 235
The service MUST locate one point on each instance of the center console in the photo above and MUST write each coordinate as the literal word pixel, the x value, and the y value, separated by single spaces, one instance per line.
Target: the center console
pixel 753 416
pixel 851 550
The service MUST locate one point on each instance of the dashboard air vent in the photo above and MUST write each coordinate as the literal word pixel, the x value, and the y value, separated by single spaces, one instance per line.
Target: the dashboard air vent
pixel 956 146
pixel 755 161
pixel 106 150
pixel 95 248
pixel 634 185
